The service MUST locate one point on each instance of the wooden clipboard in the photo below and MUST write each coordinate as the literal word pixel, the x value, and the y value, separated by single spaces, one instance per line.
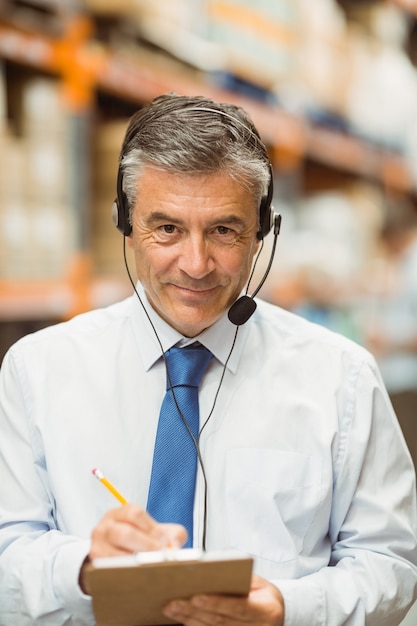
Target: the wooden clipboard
pixel 135 594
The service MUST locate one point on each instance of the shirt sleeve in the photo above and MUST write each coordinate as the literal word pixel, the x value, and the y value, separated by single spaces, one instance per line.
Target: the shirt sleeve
pixel 39 565
pixel 373 566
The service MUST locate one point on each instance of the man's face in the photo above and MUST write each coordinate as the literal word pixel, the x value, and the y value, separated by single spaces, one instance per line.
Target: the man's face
pixel 194 238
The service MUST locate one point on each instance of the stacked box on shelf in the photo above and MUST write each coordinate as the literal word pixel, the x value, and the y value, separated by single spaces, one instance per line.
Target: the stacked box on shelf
pixel 111 7
pixel 48 171
pixel 250 39
pixel 46 16
pixel 37 197
pixel 106 241
pixel 13 220
pixel 322 73
pixel 11 174
pixel 185 15
pixel 3 106
pixel 381 103
pixel 178 27
pixel 42 5
pixel 258 38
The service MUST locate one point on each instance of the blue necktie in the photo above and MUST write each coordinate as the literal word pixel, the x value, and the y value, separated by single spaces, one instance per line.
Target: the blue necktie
pixel 172 487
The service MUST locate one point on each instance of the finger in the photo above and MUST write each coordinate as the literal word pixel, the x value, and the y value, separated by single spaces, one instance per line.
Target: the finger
pixel 173 535
pixel 121 538
pixel 129 538
pixel 126 529
pixel 130 529
pixel 221 608
pixel 169 535
pixel 136 516
pixel 263 605
pixel 183 612
pixel 206 611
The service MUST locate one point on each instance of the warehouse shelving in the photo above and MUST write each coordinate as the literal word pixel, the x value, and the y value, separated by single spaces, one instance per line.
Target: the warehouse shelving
pixel 84 66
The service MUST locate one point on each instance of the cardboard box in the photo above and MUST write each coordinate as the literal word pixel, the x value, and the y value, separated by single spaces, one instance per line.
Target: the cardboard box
pixel 111 7
pixel 106 240
pixel 259 40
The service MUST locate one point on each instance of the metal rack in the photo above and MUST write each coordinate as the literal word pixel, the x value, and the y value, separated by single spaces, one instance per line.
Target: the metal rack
pixel 83 67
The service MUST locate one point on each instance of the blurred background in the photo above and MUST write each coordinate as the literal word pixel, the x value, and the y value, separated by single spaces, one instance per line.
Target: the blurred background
pixel 332 87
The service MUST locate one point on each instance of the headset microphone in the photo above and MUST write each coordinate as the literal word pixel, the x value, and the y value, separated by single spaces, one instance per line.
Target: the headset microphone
pixel 245 306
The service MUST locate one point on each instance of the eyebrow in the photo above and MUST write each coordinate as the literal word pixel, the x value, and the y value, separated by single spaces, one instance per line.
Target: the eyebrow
pixel 226 220
pixel 160 216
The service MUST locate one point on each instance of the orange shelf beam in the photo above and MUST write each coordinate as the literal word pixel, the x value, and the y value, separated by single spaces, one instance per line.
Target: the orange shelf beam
pixel 84 66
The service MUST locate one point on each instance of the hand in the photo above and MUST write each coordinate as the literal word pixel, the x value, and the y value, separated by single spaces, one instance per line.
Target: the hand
pixel 128 529
pixel 264 606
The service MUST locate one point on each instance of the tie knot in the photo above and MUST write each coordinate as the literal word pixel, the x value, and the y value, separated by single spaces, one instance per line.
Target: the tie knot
pixel 186 366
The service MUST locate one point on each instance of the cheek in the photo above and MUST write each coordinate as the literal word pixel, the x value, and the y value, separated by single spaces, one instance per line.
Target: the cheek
pixel 239 262
pixel 153 262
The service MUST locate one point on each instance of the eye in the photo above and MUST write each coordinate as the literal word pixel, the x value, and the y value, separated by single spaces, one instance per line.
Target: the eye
pixel 166 233
pixel 224 234
pixel 168 228
pixel 224 230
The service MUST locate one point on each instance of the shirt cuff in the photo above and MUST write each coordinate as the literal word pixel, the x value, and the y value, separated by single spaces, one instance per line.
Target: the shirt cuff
pixel 304 602
pixel 66 572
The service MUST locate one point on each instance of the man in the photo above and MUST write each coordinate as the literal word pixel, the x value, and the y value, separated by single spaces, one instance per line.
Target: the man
pixel 301 462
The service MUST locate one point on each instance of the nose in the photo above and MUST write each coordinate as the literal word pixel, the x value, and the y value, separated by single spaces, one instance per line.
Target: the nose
pixel 196 259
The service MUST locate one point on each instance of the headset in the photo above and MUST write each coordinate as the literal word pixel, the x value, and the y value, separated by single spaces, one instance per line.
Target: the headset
pixel 244 307
pixel 121 209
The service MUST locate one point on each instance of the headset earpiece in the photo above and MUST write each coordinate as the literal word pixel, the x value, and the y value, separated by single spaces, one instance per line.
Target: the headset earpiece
pixel 120 208
pixel 266 211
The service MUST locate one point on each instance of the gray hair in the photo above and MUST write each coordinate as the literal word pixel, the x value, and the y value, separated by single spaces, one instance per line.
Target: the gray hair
pixel 194 135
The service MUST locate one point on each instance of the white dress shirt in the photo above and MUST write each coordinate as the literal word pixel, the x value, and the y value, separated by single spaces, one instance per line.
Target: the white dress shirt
pixel 306 466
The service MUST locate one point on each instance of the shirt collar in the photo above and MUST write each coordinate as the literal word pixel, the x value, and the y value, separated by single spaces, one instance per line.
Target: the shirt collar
pixel 218 338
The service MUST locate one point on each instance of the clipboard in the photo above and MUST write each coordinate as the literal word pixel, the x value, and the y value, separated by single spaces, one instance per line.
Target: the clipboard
pixel 132 590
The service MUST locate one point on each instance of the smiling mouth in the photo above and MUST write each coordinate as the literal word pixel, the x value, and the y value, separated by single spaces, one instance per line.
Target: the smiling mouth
pixel 196 292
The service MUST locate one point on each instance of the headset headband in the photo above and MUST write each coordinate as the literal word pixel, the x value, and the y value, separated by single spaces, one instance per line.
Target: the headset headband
pixel 121 213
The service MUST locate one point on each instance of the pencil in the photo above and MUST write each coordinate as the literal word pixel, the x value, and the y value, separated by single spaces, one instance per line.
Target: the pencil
pixel 99 475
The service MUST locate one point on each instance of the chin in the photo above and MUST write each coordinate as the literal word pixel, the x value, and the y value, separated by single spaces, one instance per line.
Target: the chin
pixel 192 325
pixel 192 329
